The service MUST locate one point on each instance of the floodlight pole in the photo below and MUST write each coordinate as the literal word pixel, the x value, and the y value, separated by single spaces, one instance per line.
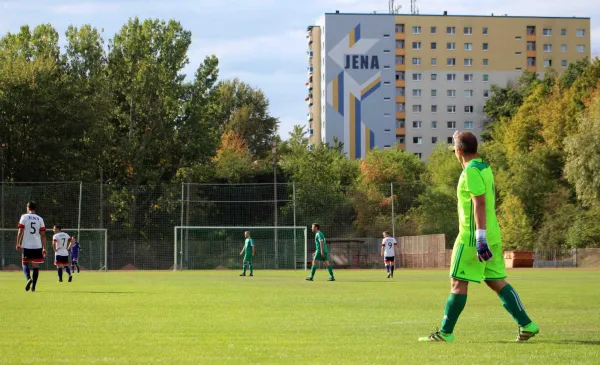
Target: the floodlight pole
pixel 275 200
pixel 3 146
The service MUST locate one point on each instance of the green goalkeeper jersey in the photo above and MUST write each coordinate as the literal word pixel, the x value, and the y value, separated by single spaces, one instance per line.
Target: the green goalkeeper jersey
pixel 319 236
pixel 248 247
pixel 476 179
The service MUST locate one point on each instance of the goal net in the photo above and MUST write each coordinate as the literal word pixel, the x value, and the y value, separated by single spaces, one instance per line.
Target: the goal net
pixel 219 247
pixel 92 253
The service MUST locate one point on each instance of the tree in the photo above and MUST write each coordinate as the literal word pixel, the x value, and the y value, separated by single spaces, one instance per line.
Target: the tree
pixel 517 231
pixel 233 162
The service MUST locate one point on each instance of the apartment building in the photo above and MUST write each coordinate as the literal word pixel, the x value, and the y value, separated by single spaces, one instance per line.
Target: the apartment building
pixel 410 81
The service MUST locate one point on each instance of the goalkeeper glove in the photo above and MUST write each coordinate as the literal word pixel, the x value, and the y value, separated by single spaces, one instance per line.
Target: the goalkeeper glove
pixel 483 251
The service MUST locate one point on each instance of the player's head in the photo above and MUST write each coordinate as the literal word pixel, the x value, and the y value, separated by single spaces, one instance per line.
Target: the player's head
pixel 465 145
pixel 315 227
pixel 247 234
pixel 386 234
pixel 31 207
pixel 57 228
pixel 74 238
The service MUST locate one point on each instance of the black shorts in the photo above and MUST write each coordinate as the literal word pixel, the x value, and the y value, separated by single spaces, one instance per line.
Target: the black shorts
pixel 35 255
pixel 74 259
pixel 61 260
pixel 389 258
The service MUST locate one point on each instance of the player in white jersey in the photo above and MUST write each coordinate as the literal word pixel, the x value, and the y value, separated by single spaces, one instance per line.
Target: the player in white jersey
pixel 388 252
pixel 60 242
pixel 32 238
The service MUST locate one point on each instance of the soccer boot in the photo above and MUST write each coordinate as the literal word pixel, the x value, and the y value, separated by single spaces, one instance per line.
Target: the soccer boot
pixel 331 279
pixel 70 278
pixel 438 336
pixel 242 274
pixel 28 285
pixel 251 275
pixel 527 332
pixel 389 275
pixel 309 278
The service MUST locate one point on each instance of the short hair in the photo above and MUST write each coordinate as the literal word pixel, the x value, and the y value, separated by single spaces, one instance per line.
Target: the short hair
pixel 316 225
pixel 386 233
pixel 466 141
pixel 32 205
pixel 59 226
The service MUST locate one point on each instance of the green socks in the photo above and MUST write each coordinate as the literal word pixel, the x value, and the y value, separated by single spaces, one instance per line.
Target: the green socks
pixel 454 306
pixel 245 267
pixel 251 269
pixel 512 303
pixel 330 269
pixel 313 269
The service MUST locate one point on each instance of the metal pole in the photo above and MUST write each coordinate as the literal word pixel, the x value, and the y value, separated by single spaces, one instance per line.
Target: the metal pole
pixel 294 205
pixel 187 222
pixel 275 200
pixel 181 236
pixel 2 147
pixel 393 218
pixel 79 214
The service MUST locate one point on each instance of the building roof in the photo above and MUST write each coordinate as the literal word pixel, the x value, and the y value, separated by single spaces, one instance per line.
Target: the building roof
pixel 464 16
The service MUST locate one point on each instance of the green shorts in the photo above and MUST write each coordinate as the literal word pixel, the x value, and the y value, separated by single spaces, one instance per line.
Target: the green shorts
pixel 319 257
pixel 466 266
pixel 248 259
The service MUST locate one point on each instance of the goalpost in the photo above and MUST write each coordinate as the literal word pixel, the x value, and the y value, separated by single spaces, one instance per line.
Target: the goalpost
pixel 92 255
pixel 206 247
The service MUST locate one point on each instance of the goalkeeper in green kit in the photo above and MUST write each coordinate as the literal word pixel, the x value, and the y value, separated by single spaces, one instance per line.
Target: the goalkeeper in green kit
pixel 477 253
pixel 248 252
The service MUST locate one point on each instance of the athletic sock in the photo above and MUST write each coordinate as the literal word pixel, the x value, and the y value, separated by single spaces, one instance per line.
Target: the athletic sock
pixel 26 272
pixel 392 268
pixel 68 270
pixel 454 306
pixel 245 266
pixel 313 269
pixel 77 267
pixel 72 268
pixel 330 269
pixel 512 303
pixel 387 268
pixel 59 273
pixel 251 269
pixel 36 273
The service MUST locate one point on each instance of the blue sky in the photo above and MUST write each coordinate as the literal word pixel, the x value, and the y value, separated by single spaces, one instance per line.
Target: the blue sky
pixel 261 41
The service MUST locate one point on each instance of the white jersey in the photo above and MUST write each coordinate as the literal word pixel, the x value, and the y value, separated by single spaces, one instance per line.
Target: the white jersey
pixel 389 244
pixel 32 225
pixel 62 242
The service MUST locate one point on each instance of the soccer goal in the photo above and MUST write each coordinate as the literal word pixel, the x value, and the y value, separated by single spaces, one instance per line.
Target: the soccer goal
pixel 92 253
pixel 219 247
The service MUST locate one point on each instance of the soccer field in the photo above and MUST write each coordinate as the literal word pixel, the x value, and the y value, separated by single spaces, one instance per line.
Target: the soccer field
pixel 210 317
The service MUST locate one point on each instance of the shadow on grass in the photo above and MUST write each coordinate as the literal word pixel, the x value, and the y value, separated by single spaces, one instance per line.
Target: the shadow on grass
pixel 555 342
pixel 104 292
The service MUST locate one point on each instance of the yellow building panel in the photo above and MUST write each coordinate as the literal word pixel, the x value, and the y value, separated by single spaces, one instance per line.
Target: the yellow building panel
pixel 400 131
pixel 400 99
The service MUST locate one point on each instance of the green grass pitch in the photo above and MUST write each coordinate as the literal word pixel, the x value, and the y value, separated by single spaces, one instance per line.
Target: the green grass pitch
pixel 211 317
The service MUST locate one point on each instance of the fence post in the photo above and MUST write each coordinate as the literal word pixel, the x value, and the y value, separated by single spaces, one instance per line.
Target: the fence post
pixel 79 214
pixel 294 207
pixel 393 217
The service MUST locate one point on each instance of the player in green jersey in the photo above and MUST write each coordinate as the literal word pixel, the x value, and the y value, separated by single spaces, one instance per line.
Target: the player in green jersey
pixel 248 252
pixel 477 253
pixel 321 253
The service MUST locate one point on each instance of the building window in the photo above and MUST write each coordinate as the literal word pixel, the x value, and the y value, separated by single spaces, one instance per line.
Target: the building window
pixel 386 67
pixel 433 77
pixel 416 45
pixel 468 62
pixel 563 48
pixel 416 124
pixel 563 31
pixel 547 32
pixel 416 30
pixel 400 107
pixel 434 61
pixel 433 93
pixel 399 28
pixel 400 75
pixel 451 125
pixel 387 98
pixel 485 46
pixel 486 94
pixel 468 30
pixel 451 93
pixel 580 32
pixel 400 139
pixel 468 125
pixel 417 140
pixel 531 61
pixel 387 131
pixel 450 30
pixel 386 36
pixel 485 62
pixel 547 48
pixel 563 63
pixel 451 77
pixel 419 155
pixel 400 60
pixel 434 124
pixel 485 31
pixel 400 91
pixel 450 140
pixel 416 76
pixel 400 123
pixel 434 108
pixel 416 108
pixel 386 82
pixel 468 78
pixel 433 140
pixel 518 37
pixel 433 45
pixel 451 46
pixel 400 44
pixel 468 93
pixel 416 93
pixel 450 61
pixel 580 48
pixel 451 108
pixel 547 63
pixel 469 109
pixel 468 46
pixel 486 77
pixel 530 30
pixel 433 30
pixel 416 61
pixel 531 46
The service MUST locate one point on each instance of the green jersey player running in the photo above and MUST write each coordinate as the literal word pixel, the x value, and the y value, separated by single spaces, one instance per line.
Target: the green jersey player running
pixel 321 253
pixel 477 253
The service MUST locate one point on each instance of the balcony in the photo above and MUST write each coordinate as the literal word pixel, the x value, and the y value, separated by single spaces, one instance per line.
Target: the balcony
pixel 401 115
pixel 309 116
pixel 400 51
pixel 400 99
pixel 400 83
pixel 400 67
pixel 400 131
pixel 401 146
pixel 400 36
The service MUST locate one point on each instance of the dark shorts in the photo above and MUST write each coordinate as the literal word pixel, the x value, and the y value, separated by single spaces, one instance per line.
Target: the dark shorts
pixel 389 258
pixel 74 259
pixel 61 260
pixel 34 255
pixel 319 257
